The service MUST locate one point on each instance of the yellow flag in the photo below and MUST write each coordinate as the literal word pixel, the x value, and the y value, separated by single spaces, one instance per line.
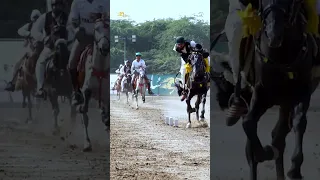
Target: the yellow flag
pixel 121 14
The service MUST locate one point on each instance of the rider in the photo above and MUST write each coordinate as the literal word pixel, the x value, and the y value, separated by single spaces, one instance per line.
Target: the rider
pixel 83 15
pixel 235 30
pixel 185 48
pixel 24 31
pixel 126 69
pixel 41 30
pixel 136 64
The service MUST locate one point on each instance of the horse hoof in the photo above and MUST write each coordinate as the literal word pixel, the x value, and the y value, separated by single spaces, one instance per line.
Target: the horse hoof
pixel 137 108
pixel 87 149
pixel 202 118
pixel 293 175
pixel 188 125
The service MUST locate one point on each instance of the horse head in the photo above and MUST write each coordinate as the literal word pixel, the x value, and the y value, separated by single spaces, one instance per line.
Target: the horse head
pixel 142 72
pixel 61 53
pixel 279 19
pixel 198 66
pixel 101 34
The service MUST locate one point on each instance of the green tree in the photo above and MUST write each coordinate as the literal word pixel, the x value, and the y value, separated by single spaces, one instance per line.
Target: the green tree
pixel 155 40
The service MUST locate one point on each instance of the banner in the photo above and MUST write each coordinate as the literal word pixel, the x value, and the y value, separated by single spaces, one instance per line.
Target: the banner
pixel 162 85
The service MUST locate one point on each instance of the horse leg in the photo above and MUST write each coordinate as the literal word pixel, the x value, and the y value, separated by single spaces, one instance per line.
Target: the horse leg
pixel 73 113
pixel 197 106
pixel 204 99
pixel 24 96
pixel 254 150
pixel 29 107
pixel 143 93
pixel 299 127
pixel 279 134
pixel 55 111
pixel 189 107
pixel 85 120
pixel 136 95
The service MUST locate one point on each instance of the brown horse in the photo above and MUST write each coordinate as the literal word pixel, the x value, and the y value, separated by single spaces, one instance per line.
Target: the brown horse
pixel 26 81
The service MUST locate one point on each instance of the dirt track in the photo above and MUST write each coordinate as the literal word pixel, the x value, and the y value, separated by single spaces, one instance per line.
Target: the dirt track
pixel 228 146
pixel 143 147
pixel 30 151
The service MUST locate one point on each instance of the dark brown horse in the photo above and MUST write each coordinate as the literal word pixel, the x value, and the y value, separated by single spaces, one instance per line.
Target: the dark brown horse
pixel 281 74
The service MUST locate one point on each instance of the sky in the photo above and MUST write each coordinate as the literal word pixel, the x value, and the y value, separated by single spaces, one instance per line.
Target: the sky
pixel 147 10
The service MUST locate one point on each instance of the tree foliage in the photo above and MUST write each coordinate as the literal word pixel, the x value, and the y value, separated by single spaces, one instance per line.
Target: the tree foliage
pixel 155 40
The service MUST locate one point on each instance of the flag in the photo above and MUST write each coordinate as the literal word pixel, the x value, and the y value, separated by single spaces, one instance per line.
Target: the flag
pixel 121 14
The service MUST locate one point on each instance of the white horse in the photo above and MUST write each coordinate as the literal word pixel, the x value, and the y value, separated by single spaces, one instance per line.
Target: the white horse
pixel 96 78
pixel 140 86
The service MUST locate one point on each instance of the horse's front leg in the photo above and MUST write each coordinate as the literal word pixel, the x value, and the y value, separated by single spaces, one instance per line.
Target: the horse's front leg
pixel 55 108
pixel 189 107
pixel 254 150
pixel 24 97
pixel 299 127
pixel 197 106
pixel 204 99
pixel 279 134
pixel 136 95
pixel 29 107
pixel 85 120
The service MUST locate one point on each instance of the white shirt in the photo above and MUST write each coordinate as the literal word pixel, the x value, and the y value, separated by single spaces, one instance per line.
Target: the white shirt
pixel 23 31
pixel 136 65
pixel 83 12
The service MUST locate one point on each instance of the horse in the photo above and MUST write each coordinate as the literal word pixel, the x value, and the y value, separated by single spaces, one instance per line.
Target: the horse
pixel 197 85
pixel 140 86
pixel 127 88
pixel 118 88
pixel 57 81
pixel 93 68
pixel 26 81
pixel 281 74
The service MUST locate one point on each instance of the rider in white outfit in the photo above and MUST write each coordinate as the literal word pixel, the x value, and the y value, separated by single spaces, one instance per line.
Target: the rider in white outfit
pixel 233 29
pixel 135 66
pixel 83 15
pixel 41 30
pixel 24 32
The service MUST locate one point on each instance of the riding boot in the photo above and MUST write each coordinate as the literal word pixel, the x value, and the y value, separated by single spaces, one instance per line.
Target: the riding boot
pixel 149 88
pixel 77 97
pixel 238 107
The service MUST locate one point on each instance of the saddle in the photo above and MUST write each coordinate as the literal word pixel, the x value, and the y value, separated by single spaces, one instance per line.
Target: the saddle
pixel 82 63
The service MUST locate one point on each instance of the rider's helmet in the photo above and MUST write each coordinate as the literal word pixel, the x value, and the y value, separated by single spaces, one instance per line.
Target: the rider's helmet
pixel 58 6
pixel 35 14
pixel 138 54
pixel 180 41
